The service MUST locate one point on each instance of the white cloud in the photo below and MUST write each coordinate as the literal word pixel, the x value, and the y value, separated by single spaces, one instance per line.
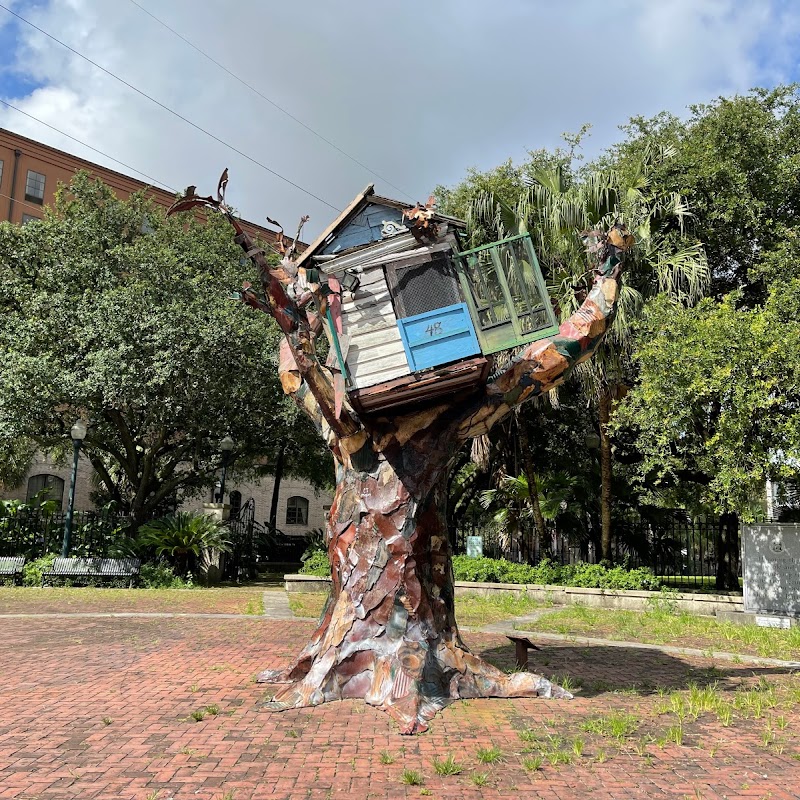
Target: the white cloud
pixel 419 93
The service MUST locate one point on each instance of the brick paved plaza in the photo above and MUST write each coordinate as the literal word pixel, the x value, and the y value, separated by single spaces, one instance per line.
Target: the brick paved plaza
pixel 101 707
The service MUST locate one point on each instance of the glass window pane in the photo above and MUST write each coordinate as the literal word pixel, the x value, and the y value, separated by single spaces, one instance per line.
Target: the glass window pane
pixel 34 187
pixel 52 483
pixel 297 511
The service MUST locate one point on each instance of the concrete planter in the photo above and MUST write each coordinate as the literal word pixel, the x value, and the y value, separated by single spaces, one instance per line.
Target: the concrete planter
pixel 630 600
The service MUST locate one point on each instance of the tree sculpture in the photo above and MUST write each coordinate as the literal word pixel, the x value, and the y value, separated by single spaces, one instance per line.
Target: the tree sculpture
pixel 388 632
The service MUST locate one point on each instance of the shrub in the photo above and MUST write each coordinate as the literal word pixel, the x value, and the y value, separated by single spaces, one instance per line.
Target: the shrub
pixel 32 571
pixel 162 576
pixel 183 536
pixel 316 564
pixel 315 543
pixel 597 576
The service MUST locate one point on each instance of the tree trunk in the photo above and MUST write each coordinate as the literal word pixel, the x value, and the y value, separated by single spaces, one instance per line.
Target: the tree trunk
pixel 533 491
pixel 388 633
pixel 276 488
pixel 605 476
pixel 727 547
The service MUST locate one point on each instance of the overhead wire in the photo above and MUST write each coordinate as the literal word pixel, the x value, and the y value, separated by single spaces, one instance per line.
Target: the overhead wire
pixel 171 111
pixel 271 101
pixel 23 203
pixel 85 144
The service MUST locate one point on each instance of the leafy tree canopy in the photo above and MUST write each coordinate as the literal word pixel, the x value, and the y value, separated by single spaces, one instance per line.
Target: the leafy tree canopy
pixel 113 314
pixel 736 162
pixel 717 404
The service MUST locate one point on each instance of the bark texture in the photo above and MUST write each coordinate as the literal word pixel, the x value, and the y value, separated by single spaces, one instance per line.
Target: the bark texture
pixel 388 633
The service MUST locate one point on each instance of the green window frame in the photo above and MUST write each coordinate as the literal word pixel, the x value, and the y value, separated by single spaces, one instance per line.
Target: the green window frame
pixel 506 293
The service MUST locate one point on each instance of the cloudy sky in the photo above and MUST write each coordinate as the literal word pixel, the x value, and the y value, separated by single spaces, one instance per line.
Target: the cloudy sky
pixel 411 94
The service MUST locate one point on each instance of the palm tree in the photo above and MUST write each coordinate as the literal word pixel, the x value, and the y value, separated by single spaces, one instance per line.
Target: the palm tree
pixel 555 208
pixel 183 537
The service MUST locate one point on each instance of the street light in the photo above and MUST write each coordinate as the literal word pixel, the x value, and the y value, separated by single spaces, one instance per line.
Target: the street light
pixel 78 434
pixel 226 445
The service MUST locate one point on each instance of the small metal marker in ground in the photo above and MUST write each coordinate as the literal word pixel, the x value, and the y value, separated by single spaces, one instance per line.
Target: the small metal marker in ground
pixel 521 646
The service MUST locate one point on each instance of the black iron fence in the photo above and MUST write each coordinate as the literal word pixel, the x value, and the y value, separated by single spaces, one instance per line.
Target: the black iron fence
pixel 32 534
pixel 680 549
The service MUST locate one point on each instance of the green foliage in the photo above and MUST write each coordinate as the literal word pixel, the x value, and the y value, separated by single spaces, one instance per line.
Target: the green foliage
pixel 183 536
pixel 600 576
pixel 32 570
pixel 129 325
pixel 718 396
pixel 315 543
pixel 316 564
pixel 162 576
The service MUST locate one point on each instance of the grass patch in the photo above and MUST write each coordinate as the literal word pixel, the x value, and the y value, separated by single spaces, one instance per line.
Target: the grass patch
pixel 476 611
pixel 307 604
pixel 659 627
pixel 471 610
pixel 77 599
pixel 617 725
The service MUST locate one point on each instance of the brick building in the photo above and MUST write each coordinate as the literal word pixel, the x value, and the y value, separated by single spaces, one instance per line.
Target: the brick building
pixel 29 176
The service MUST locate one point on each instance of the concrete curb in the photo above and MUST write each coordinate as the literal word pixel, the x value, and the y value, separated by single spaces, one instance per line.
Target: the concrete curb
pixel 626 599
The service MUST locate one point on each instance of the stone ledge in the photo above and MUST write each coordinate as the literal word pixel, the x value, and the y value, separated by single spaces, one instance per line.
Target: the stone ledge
pixel 628 599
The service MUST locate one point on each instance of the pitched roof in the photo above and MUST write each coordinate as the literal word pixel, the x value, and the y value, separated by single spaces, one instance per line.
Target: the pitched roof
pixel 367 195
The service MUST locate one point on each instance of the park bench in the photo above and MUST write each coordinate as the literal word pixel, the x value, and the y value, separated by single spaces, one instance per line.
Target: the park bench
pixel 11 567
pixel 94 569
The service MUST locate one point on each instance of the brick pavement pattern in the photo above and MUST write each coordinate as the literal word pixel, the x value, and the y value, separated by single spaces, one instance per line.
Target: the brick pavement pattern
pixel 102 708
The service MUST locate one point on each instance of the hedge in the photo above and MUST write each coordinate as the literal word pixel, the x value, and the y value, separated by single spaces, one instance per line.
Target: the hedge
pixel 590 576
pixel 498 570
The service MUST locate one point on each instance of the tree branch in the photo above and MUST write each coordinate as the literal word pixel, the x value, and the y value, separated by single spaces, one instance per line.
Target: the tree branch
pixel 546 363
pixel 287 311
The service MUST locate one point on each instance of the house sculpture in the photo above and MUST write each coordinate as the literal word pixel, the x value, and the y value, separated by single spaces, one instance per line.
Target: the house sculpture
pixel 411 314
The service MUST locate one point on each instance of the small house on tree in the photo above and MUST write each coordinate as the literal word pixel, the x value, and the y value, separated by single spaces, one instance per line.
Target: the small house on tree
pixel 412 314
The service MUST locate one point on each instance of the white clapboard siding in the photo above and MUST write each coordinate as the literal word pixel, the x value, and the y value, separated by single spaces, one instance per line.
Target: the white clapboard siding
pixel 375 353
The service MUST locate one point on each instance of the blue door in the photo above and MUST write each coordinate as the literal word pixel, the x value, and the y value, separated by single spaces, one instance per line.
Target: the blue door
pixel 438 337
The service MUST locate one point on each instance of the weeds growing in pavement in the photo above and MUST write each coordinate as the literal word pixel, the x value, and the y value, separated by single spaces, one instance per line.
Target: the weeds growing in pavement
pixel 447 766
pixel 107 720
pixel 199 715
pixel 213 709
pixel 386 757
pixel 480 778
pixel 617 725
pixel 489 755
pixel 411 777
pixel 533 764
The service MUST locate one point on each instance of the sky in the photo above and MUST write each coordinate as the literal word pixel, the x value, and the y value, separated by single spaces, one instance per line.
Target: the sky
pixel 407 95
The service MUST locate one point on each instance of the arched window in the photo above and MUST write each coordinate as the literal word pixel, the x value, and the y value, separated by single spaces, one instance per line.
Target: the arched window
pixel 235 502
pixel 53 484
pixel 297 511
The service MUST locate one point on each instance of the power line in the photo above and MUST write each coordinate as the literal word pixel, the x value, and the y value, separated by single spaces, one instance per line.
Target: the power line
pixel 171 111
pixel 84 144
pixel 22 203
pixel 270 101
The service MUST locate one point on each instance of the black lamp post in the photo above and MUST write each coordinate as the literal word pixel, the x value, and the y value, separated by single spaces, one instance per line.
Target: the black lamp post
pixel 78 434
pixel 226 445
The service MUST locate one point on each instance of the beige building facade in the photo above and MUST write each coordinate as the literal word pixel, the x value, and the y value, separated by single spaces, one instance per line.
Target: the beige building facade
pixel 301 508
